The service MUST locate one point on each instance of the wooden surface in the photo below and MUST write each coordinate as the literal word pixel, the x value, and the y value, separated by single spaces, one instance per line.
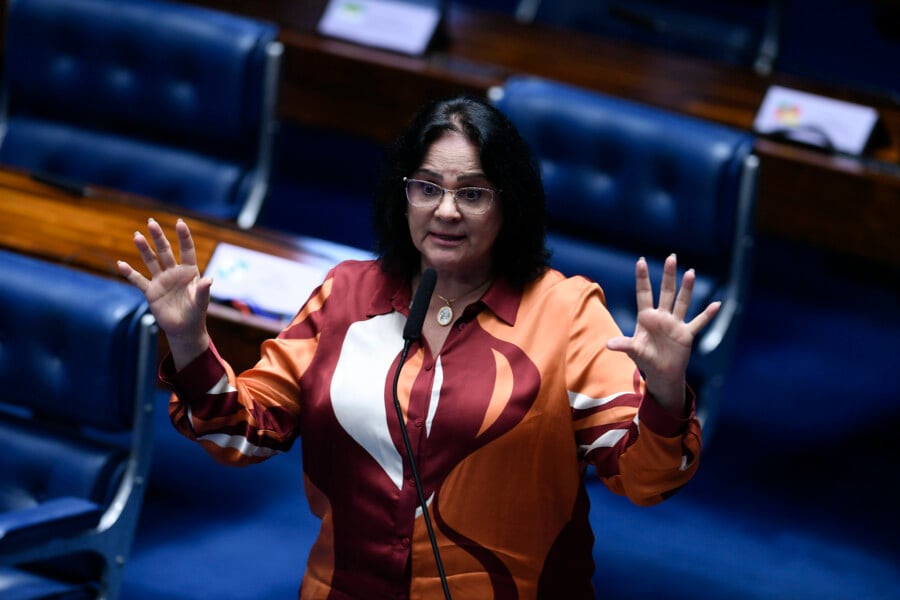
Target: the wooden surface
pixel 838 204
pixel 93 232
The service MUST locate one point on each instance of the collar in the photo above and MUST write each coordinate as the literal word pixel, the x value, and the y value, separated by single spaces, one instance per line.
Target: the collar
pixel 503 299
pixel 393 294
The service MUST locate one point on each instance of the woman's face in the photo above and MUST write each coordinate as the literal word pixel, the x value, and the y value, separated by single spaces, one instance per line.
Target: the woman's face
pixel 455 244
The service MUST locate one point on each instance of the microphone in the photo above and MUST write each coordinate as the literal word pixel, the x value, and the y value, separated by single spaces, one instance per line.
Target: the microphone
pixel 412 331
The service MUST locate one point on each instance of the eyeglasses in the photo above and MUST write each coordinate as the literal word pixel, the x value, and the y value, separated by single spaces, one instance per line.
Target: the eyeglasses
pixel 469 200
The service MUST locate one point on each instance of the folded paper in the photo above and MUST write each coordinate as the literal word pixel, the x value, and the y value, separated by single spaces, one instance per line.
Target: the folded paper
pixel 815 120
pixel 396 25
pixel 271 285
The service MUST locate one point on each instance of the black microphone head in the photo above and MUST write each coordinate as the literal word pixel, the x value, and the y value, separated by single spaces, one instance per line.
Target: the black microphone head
pixel 413 329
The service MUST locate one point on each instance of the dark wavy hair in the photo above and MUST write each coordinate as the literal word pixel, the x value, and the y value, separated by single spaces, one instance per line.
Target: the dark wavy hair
pixel 519 253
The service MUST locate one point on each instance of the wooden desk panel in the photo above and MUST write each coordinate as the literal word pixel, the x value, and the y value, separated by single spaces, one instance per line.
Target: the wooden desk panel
pixel 852 209
pixel 349 88
pixel 92 232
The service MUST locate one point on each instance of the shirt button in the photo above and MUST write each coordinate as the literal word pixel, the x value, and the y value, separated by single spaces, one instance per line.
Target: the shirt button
pixel 404 542
pixel 419 422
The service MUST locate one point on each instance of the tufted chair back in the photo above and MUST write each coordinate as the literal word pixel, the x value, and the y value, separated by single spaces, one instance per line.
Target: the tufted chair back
pixel 625 180
pixel 166 100
pixel 741 32
pixel 77 365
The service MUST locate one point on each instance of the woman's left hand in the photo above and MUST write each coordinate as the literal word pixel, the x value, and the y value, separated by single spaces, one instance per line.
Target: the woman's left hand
pixel 662 340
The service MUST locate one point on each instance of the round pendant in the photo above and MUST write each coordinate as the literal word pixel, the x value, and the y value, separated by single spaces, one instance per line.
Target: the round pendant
pixel 444 316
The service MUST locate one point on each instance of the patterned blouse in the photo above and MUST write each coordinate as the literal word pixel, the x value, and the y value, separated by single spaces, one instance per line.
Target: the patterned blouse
pixel 503 423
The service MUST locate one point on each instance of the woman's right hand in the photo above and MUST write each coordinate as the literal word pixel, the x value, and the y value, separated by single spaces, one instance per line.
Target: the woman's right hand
pixel 178 296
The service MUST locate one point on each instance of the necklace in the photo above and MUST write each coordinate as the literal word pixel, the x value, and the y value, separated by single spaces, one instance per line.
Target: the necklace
pixel 445 313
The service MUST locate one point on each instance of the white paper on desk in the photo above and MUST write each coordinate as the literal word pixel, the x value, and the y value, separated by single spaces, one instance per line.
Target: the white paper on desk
pixel 847 126
pixel 392 24
pixel 268 284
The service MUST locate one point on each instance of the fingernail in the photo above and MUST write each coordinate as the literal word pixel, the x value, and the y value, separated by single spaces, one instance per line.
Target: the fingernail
pixel 151 220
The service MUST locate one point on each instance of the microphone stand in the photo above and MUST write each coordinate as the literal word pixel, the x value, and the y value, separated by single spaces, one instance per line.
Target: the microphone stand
pixel 415 472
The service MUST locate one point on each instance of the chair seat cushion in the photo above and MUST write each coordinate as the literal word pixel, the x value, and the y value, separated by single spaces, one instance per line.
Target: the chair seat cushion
pixel 39 464
pixel 53 519
pixel 16 584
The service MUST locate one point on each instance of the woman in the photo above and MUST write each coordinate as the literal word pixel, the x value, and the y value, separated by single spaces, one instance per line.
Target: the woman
pixel 521 380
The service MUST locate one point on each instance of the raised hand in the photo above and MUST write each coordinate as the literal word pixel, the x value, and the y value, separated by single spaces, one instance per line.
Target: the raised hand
pixel 661 344
pixel 178 296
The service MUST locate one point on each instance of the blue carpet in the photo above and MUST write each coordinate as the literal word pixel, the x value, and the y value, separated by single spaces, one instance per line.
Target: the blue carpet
pixel 796 496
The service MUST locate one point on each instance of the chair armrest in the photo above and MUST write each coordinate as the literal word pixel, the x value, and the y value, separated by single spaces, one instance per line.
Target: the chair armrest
pixel 739 271
pixel 56 518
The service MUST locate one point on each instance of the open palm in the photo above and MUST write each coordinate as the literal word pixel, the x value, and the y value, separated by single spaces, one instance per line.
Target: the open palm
pixel 662 340
pixel 178 296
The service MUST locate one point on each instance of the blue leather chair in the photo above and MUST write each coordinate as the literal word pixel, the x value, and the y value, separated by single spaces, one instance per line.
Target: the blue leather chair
pixel 741 32
pixel 327 195
pixel 165 100
pixel 625 180
pixel 77 378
